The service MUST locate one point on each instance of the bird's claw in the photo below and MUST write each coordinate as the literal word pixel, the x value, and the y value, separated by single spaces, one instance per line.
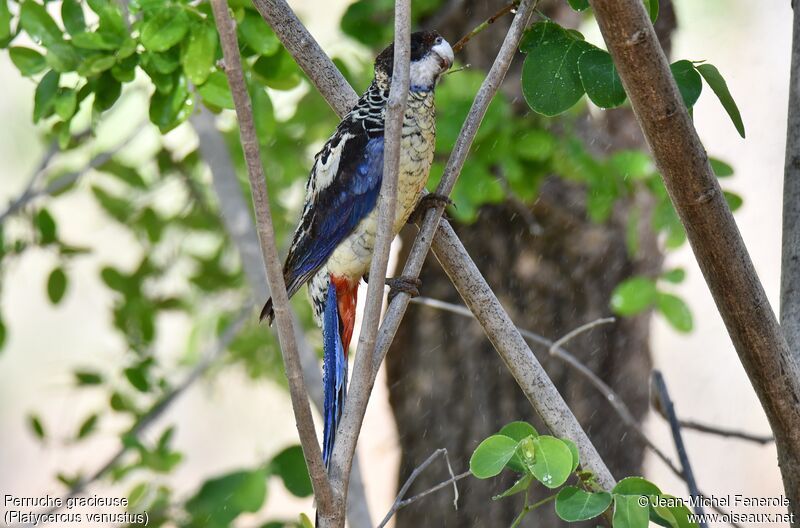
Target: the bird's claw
pixel 429 201
pixel 408 285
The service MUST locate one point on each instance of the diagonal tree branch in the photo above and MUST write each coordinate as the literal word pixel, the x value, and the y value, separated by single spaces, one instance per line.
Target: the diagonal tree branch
pixel 718 246
pixel 790 261
pixel 258 188
pixel 361 383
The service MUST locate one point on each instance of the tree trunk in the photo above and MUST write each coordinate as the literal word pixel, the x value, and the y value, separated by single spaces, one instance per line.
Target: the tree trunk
pixel 448 387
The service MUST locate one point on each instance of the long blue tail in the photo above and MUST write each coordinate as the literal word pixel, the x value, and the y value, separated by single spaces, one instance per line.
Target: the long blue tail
pixel 334 366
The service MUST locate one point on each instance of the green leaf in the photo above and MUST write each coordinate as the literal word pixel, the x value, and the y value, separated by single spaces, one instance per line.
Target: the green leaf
pixel 573 504
pixel 118 208
pixel 652 9
pixel 220 500
pixel 688 81
pixel 734 200
pixel 5 21
pixel 305 522
pixel 491 456
pixel 675 276
pixel 28 62
pixel 136 376
pixel 199 53
pixel 216 92
pixel 97 40
pixel 535 145
pixel 541 33
pixel 519 486
pixel 551 82
pixel 107 91
pixel 579 5
pixel 45 93
pixel 3 333
pixel 72 16
pixel 56 285
pixel 675 311
pixel 62 57
pixel 277 71
pixel 35 19
pixel 576 456
pixel 85 377
pixel 258 35
pixel 720 168
pixel 600 79
pixel 636 486
pixel 88 426
pixel 632 164
pixel 290 465
pixel 46 226
pixel 165 29
pixel 552 463
pixel 629 514
pixel 718 85
pixel 66 103
pixel 518 430
pixel 633 296
pixel 263 114
pixel 171 108
pixel 35 423
pixel 124 173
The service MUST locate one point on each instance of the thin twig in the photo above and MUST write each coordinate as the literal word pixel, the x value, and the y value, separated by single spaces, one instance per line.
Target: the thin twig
pixel 452 480
pixel 258 189
pixel 509 8
pixel 212 355
pixel 65 180
pixel 577 331
pixel 412 477
pixel 360 389
pixel 726 433
pixel 659 395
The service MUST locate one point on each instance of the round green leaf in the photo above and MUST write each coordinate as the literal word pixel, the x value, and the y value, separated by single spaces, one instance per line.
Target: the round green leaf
pixel 675 276
pixel 199 53
pixel 552 463
pixel 28 62
pixel 5 21
pixel 652 9
pixel 519 486
pixel 56 285
pixel 165 29
pixel 46 225
pixel 258 35
pixel 222 499
pixel 35 19
pixel 574 504
pixel 579 5
pixel 98 40
pixel 688 81
pixel 551 82
pixel 675 311
pixel 290 465
pixel 576 456
pixel 518 430
pixel 169 109
pixel 43 96
pixel 216 92
pixel 72 16
pixel 600 79
pixel 720 168
pixel 65 103
pixel 541 33
pixel 636 486
pixel 491 456
pixel 633 296
pixel 628 513
pixel 734 200
pixel 718 85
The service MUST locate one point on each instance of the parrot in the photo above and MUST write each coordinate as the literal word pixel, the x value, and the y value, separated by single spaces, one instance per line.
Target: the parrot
pixel 332 247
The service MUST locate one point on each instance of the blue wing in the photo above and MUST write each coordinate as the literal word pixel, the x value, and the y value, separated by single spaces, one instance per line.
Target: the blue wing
pixel 338 202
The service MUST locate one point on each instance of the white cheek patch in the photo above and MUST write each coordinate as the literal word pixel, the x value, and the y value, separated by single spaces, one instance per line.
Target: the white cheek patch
pixel 424 72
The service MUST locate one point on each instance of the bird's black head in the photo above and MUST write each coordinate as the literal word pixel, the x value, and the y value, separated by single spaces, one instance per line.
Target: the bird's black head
pixel 431 55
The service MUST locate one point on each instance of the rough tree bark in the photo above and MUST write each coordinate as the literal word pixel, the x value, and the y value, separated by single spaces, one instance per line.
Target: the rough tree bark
pixel 447 387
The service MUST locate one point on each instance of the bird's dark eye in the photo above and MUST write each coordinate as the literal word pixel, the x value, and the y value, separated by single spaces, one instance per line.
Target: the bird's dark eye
pixel 438 40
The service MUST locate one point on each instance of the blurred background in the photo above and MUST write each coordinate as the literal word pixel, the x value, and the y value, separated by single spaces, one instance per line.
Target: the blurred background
pixel 80 363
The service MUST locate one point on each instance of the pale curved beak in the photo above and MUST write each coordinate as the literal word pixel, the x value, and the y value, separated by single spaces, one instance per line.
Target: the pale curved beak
pixel 445 53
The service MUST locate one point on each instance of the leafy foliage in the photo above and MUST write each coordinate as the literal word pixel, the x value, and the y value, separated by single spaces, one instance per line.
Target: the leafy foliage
pixel 552 461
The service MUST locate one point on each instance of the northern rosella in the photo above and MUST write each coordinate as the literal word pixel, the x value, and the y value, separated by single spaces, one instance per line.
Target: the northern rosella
pixel 333 245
